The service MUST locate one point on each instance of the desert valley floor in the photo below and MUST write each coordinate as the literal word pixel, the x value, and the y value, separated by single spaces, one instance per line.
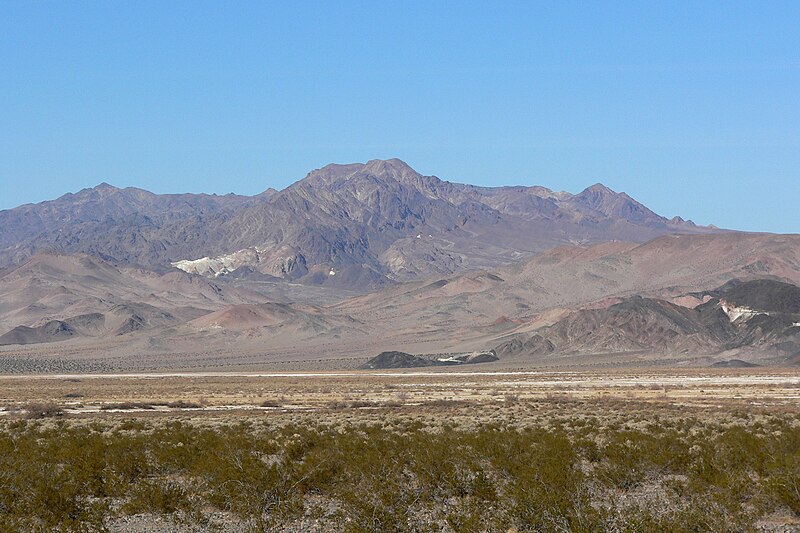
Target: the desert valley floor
pixel 290 394
pixel 634 449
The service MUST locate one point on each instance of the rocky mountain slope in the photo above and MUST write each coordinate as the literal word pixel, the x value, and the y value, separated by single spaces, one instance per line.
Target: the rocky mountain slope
pixel 630 298
pixel 358 259
pixel 351 226
pixel 51 298
pixel 537 292
pixel 127 225
pixel 759 316
pixel 84 299
pixel 371 224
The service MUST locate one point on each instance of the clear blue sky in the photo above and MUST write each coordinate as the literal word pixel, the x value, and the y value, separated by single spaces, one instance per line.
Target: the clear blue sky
pixel 691 107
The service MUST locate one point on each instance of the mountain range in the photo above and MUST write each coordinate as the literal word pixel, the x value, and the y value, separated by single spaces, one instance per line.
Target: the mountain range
pixel 349 226
pixel 355 260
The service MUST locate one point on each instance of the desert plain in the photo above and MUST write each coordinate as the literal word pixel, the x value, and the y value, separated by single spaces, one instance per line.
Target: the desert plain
pixel 290 394
pixel 621 449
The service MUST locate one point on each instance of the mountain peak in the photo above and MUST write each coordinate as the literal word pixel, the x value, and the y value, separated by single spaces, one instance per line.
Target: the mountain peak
pixel 393 169
pixel 390 168
pixel 616 204
pixel 351 225
pixel 395 164
pixel 270 191
pixel 597 188
pixel 102 190
pixel 597 196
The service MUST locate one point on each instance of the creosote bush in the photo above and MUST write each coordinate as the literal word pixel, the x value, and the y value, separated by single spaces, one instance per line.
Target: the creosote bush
pixel 677 476
pixel 43 410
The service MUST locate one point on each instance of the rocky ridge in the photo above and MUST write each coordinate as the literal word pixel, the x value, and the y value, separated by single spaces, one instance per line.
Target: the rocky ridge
pixel 351 226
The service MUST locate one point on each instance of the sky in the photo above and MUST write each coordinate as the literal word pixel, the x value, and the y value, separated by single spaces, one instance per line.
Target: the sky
pixel 692 108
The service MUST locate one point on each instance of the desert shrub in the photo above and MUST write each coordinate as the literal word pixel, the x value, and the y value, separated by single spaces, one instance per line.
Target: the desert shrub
pixel 157 497
pixel 784 485
pixel 182 404
pixel 445 467
pixel 540 478
pixel 126 406
pixel 127 459
pixel 629 458
pixel 782 468
pixel 43 410
pixel 40 493
pixel 68 475
pixel 57 499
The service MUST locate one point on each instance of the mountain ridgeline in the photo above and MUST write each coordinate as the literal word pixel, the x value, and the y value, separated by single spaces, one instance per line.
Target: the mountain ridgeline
pixel 350 226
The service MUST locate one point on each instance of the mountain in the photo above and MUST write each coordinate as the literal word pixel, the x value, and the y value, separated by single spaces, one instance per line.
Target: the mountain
pixel 94 308
pixel 355 226
pixel 360 259
pixel 477 310
pixel 768 296
pixel 51 298
pixel 129 225
pixel 271 319
pixel 761 316
pixel 375 223
pixel 692 299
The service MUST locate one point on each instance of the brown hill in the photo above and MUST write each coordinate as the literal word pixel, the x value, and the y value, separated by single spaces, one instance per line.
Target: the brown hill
pixel 144 318
pixel 272 318
pixel 463 312
pixel 58 297
pixel 761 322
pixel 52 331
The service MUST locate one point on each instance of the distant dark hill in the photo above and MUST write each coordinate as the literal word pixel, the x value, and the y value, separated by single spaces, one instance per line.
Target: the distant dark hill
pixel 733 363
pixel 635 324
pixel 393 359
pixel 355 226
pixel 764 312
pixel 52 331
pixel 765 295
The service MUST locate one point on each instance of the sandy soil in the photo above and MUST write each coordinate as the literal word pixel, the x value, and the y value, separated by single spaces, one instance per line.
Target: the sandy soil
pixel 288 394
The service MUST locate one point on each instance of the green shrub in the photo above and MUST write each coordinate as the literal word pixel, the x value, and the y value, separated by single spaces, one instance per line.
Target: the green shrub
pixel 69 474
pixel 157 497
